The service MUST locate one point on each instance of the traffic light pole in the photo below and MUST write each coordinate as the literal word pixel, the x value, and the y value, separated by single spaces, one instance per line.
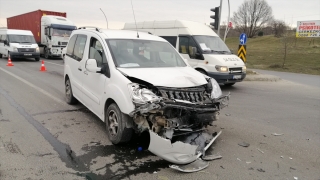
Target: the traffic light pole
pixel 227 27
pixel 219 18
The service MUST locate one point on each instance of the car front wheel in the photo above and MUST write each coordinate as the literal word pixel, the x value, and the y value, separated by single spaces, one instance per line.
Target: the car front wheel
pixel 116 125
pixel 69 95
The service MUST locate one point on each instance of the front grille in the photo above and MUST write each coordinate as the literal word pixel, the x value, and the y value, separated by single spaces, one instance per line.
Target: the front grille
pixel 26 49
pixel 188 94
pixel 235 70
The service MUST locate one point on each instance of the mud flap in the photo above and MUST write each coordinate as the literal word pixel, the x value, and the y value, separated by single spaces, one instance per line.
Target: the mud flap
pixel 195 166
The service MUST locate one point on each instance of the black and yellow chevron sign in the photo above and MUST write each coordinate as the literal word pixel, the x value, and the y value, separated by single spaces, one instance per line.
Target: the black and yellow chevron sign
pixel 242 52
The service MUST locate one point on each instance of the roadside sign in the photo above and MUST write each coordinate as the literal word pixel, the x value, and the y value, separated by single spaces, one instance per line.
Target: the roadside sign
pixel 242 52
pixel 243 39
pixel 230 25
pixel 308 28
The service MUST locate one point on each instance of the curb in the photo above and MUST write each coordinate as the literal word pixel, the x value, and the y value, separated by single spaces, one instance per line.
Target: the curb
pixel 254 76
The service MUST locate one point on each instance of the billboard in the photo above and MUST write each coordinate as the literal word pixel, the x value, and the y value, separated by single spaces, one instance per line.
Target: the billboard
pixel 308 28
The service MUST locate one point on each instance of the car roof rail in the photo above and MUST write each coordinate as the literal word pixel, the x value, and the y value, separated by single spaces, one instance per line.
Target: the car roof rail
pixel 92 27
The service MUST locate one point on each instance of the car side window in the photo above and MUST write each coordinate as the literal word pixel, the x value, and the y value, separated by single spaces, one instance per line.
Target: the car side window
pixel 186 44
pixel 96 52
pixel 171 39
pixel 3 38
pixel 79 47
pixel 71 46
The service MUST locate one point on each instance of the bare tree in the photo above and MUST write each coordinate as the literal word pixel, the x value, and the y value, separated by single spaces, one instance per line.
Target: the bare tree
pixel 251 16
pixel 279 28
pixel 288 40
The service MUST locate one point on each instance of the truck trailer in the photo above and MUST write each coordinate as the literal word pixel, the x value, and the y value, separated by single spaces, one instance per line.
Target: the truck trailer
pixel 50 29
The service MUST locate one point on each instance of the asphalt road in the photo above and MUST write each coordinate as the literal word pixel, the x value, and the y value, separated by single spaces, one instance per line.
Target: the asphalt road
pixel 43 137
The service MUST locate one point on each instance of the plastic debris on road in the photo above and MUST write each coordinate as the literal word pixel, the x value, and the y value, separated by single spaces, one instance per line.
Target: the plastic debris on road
pixel 277 134
pixel 244 144
pixel 211 157
pixel 195 166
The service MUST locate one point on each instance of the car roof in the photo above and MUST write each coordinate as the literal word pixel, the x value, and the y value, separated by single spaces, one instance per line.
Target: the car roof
pixel 121 34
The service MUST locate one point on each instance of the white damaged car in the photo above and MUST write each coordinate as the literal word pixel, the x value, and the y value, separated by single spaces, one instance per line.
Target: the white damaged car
pixel 138 83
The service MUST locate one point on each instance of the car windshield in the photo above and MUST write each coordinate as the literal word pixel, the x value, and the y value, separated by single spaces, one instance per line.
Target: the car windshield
pixel 61 32
pixel 212 44
pixel 130 53
pixel 13 38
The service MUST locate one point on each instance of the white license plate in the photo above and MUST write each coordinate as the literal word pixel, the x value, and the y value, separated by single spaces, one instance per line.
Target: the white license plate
pixel 27 54
pixel 236 76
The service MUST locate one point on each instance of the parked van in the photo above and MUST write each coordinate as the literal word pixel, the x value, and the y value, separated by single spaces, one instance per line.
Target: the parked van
pixel 200 45
pixel 18 44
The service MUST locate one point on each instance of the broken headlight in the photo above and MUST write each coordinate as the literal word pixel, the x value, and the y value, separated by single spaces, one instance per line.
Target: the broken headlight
pixel 142 95
pixel 216 91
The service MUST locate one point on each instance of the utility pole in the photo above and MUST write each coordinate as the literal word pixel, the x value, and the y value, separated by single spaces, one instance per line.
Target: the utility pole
pixel 219 18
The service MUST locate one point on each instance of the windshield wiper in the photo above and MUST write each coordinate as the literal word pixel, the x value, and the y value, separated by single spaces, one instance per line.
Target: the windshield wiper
pixel 25 42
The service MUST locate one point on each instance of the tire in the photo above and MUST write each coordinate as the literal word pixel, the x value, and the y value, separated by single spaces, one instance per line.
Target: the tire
pixel 116 125
pixel 202 71
pixel 0 55
pixel 229 84
pixel 70 99
pixel 46 53
pixel 37 59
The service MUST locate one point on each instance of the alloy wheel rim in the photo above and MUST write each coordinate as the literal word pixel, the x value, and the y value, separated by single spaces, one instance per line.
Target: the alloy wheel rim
pixel 113 123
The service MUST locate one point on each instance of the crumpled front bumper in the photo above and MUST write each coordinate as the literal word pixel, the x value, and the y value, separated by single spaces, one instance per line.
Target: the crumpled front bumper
pixel 178 152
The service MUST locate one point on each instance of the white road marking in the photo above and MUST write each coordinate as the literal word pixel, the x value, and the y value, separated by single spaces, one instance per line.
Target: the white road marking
pixel 34 86
pixel 53 63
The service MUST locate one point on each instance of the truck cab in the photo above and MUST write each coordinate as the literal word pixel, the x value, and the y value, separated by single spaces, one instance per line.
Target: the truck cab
pixel 55 33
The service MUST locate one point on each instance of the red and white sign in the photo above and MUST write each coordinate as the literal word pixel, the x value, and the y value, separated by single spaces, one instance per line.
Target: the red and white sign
pixel 230 25
pixel 308 29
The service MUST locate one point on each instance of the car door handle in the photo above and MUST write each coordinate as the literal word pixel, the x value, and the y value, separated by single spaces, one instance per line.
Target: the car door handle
pixel 79 69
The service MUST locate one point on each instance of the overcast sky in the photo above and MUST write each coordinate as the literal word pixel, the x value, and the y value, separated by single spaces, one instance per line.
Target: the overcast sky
pixel 87 12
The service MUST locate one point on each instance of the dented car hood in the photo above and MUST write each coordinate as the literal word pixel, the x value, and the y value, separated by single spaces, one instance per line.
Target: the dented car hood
pixel 168 77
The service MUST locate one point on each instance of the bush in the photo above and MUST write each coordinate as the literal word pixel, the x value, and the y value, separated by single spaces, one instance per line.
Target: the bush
pixel 260 33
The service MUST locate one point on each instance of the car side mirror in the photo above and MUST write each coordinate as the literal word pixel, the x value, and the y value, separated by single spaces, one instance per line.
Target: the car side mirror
pixel 91 66
pixel 5 42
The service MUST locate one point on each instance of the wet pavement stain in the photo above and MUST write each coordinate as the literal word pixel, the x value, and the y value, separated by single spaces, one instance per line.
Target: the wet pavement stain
pixel 125 155
pixel 126 158
pixel 64 151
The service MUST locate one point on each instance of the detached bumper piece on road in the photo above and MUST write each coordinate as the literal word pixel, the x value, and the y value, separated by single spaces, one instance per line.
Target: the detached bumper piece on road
pixel 198 164
pixel 187 153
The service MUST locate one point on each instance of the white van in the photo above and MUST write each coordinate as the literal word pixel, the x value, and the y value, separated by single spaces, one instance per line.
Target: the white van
pixel 200 45
pixel 18 44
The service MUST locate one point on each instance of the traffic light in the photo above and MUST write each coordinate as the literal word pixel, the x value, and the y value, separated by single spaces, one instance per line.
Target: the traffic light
pixel 216 17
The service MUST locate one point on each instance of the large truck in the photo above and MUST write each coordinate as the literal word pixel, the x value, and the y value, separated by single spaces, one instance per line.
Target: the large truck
pixel 50 29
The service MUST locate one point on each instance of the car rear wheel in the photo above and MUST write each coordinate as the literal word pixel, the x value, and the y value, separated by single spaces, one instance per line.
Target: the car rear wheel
pixel 37 59
pixel 116 125
pixel 69 95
